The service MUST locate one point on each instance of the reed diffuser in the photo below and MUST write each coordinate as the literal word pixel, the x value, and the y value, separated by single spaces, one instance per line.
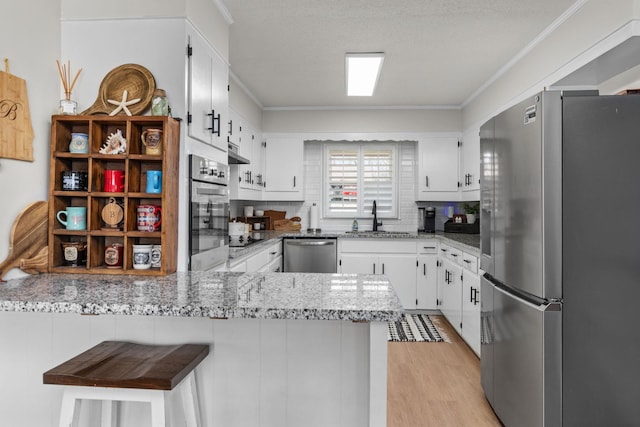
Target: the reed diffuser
pixel 67 105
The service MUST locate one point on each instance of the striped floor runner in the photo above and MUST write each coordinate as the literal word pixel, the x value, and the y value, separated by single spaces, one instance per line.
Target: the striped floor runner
pixel 415 328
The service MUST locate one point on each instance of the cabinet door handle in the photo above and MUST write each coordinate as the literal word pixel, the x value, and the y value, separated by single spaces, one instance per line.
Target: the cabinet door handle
pixel 426 180
pixel 230 127
pixel 214 118
pixel 374 269
pixel 467 261
pixel 382 268
pixel 454 255
pixel 294 181
pixel 424 269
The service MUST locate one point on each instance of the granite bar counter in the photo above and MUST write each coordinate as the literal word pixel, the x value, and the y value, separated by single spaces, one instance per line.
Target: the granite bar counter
pixel 287 349
pixel 207 294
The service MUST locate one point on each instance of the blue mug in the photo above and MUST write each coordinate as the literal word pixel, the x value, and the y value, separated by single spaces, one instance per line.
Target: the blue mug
pixel 154 182
pixel 76 218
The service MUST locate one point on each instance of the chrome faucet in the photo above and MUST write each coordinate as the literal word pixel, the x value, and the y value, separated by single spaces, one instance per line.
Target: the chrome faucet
pixel 374 211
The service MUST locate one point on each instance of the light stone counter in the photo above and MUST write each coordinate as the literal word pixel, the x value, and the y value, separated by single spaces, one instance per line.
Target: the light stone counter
pixel 208 294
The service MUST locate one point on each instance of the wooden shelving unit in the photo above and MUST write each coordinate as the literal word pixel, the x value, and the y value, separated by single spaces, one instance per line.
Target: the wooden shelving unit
pixel 135 164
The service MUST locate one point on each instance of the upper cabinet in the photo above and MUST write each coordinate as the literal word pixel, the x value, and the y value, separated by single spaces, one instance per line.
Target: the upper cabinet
pixel 470 153
pixel 208 95
pixel 283 173
pixel 438 168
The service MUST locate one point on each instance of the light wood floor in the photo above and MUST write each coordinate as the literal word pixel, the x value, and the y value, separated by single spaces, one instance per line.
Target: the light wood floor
pixel 436 384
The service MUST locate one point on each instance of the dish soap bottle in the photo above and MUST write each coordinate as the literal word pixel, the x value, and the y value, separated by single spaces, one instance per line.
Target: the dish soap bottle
pixel 354 225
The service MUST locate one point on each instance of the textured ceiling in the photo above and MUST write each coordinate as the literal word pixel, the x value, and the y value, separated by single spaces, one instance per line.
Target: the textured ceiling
pixel 290 53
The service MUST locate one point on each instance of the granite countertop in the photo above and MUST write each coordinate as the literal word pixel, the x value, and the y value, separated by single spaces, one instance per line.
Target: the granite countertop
pixel 465 242
pixel 354 297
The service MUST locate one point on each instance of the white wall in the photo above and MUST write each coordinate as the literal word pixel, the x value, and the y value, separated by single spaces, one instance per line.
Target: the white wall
pixel 244 105
pixel 30 34
pixel 374 120
pixel 573 43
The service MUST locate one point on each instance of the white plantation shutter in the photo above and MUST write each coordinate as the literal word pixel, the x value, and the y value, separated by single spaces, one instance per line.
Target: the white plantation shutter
pixel 343 181
pixel 358 174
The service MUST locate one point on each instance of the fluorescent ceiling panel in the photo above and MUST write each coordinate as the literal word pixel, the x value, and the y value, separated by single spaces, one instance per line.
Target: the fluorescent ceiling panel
pixel 363 70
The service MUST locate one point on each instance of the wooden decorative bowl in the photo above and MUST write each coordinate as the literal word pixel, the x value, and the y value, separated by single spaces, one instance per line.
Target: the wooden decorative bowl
pixel 135 79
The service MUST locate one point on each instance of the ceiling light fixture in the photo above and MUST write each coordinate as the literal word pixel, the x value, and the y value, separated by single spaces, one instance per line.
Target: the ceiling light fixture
pixel 363 70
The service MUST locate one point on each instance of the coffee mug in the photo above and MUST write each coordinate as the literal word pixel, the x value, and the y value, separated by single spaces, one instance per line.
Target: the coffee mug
pixel 154 181
pixel 79 143
pixel 152 141
pixel 142 257
pixel 75 218
pixel 113 255
pixel 74 180
pixel 156 256
pixel 113 181
pixel 149 217
pixel 75 253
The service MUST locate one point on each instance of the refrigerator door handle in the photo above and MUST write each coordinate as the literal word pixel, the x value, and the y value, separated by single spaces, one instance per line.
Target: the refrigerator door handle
pixel 553 305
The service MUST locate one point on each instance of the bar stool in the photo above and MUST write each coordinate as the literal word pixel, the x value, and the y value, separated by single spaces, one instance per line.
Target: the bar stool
pixel 115 371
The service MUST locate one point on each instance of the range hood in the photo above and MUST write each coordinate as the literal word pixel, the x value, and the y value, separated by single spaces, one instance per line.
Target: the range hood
pixel 234 157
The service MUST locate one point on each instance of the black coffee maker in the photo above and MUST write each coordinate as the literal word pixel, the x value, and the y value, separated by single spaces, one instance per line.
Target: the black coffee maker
pixel 427 220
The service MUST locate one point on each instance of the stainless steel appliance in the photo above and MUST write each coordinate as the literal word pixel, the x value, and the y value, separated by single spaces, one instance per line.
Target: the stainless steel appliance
pixel 561 289
pixel 208 213
pixel 310 255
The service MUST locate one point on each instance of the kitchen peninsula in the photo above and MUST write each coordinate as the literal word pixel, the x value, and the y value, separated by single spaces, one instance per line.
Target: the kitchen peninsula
pixel 287 349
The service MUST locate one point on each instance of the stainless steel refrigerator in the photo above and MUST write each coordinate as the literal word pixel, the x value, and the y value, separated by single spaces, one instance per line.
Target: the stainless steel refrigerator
pixel 560 247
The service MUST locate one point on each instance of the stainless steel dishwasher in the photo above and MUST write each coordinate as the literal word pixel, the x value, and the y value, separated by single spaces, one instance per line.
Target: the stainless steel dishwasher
pixel 310 255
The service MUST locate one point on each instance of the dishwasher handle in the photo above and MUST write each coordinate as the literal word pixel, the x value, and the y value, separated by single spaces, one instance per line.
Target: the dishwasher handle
pixel 307 243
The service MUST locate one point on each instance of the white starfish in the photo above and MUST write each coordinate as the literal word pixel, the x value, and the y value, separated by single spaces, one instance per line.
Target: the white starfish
pixel 122 105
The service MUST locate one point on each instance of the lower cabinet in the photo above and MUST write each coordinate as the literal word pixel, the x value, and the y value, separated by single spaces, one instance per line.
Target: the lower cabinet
pixel 265 260
pixel 471 303
pixel 450 293
pixel 459 293
pixel 395 259
pixel 427 276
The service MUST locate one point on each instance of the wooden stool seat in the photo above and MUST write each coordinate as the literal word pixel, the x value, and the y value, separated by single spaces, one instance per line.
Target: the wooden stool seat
pixel 122 371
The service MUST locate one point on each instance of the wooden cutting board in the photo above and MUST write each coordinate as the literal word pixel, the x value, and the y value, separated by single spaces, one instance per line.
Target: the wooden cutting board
pixel 286 225
pixel 16 132
pixel 28 235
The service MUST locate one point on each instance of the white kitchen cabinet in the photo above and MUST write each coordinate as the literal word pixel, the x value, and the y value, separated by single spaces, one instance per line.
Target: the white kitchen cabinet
pixel 266 259
pixel 471 301
pixel 395 259
pixel 207 93
pixel 450 285
pixel 274 256
pixel 470 161
pixel 471 310
pixel 438 168
pixel 426 279
pixel 284 163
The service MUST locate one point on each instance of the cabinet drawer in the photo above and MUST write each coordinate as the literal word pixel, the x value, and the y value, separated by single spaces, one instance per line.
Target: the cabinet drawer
pixel 428 246
pixel 451 253
pixel 470 262
pixel 256 262
pixel 378 246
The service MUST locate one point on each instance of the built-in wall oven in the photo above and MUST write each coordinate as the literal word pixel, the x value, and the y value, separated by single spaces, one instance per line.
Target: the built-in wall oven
pixel 208 213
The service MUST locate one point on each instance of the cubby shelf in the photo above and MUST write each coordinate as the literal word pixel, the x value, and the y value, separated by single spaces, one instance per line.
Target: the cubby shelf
pixel 135 163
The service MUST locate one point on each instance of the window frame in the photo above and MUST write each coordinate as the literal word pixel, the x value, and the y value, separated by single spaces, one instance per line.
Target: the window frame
pixel 363 210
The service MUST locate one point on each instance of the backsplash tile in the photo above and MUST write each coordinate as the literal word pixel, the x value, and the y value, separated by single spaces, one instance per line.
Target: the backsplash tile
pixel 408 207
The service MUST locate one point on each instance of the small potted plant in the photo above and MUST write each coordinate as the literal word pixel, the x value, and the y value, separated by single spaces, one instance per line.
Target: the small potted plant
pixel 471 210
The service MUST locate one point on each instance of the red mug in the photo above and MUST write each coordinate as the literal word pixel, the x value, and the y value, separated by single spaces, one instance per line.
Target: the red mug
pixel 113 181
pixel 149 217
